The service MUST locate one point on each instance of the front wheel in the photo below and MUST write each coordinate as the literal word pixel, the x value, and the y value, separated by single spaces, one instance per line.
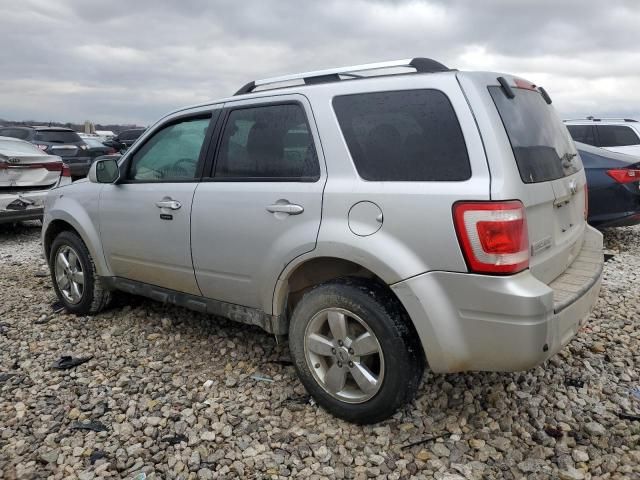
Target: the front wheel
pixel 74 276
pixel 355 350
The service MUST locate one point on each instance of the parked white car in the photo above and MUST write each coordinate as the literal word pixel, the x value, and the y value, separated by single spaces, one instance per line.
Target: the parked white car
pixel 26 175
pixel 620 135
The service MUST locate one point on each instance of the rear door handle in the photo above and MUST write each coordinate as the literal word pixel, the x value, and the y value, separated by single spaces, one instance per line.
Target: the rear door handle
pixel 288 208
pixel 168 203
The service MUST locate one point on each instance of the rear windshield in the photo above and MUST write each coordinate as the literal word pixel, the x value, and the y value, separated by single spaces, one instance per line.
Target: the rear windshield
pixel 57 136
pixel 408 135
pixel 19 147
pixel 20 133
pixel 541 144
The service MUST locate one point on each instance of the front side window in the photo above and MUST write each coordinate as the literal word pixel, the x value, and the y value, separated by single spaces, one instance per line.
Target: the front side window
pixel 271 142
pixel 616 136
pixel 411 135
pixel 171 154
pixel 582 133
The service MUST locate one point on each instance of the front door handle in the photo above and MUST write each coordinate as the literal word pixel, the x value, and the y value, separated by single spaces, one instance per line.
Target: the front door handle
pixel 288 208
pixel 168 203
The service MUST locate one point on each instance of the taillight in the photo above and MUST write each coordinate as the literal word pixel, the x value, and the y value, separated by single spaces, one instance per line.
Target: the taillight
pixel 493 236
pixel 53 166
pixel 42 147
pixel 65 172
pixel 624 175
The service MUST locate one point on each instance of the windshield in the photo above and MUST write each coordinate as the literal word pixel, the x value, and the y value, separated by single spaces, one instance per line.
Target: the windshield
pixel 541 144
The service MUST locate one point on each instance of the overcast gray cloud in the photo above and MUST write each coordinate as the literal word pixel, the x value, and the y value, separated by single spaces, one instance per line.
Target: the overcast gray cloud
pixel 131 61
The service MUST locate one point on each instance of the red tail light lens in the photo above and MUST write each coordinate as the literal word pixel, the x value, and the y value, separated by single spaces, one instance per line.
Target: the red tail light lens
pixel 624 175
pixel 65 172
pixel 493 236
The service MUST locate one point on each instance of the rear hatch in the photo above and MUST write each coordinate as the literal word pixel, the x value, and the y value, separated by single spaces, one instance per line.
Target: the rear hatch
pixel 548 178
pixel 64 143
pixel 24 167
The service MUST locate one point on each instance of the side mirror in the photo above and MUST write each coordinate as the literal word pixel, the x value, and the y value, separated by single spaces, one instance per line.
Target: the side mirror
pixel 104 170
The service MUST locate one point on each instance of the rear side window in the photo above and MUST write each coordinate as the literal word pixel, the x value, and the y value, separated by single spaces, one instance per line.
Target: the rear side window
pixel 15 133
pixel 130 134
pixel 269 143
pixel 540 141
pixel 582 133
pixel 54 136
pixel 408 135
pixel 616 136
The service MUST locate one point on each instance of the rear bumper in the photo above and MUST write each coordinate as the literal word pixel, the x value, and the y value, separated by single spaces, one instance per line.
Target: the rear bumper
pixel 479 322
pixel 16 207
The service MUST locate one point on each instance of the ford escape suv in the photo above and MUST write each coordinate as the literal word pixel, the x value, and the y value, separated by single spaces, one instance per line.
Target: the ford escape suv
pixel 385 216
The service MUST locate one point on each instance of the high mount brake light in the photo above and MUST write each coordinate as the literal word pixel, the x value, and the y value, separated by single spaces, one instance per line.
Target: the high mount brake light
pixel 624 175
pixel 493 236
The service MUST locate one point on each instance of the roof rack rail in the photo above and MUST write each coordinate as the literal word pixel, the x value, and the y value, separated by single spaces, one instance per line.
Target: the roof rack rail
pixel 421 65
pixel 599 119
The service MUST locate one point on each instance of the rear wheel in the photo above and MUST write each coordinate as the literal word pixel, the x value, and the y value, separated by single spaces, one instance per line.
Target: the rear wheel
pixel 355 350
pixel 74 276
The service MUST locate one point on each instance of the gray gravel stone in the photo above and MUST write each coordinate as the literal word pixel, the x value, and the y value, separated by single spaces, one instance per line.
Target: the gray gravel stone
pixel 174 390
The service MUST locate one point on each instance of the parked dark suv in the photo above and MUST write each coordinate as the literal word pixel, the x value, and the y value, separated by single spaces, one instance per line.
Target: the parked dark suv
pixel 62 142
pixel 126 137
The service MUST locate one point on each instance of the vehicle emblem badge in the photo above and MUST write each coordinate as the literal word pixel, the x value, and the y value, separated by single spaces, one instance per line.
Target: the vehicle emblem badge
pixel 14 160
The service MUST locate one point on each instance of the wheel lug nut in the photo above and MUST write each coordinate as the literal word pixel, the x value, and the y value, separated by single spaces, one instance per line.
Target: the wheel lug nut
pixel 333 350
pixel 317 365
pixel 340 364
pixel 350 364
pixel 340 342
pixel 351 351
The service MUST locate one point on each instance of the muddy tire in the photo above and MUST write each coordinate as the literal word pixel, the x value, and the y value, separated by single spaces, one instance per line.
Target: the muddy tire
pixel 355 349
pixel 74 277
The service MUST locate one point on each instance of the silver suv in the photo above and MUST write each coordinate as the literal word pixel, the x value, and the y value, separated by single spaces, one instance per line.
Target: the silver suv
pixel 385 216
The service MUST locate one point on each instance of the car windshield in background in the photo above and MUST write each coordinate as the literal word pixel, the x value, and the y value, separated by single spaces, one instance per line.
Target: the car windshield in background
pixel 19 147
pixel 541 144
pixel 57 136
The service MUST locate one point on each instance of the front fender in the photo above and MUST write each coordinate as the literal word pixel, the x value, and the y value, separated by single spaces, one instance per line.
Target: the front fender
pixel 81 212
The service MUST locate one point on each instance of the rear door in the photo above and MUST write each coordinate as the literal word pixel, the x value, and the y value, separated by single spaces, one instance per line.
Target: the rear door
pixel 145 218
pixel 533 159
pixel 261 205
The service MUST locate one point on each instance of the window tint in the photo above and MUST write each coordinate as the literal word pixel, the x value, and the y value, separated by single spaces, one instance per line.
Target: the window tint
pixel 15 133
pixel 130 134
pixel 540 141
pixel 582 133
pixel 57 136
pixel 616 136
pixel 269 142
pixel 403 136
pixel 171 153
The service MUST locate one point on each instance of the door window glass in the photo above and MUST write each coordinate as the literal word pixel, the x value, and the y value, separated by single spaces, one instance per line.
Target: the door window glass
pixel 170 154
pixel 582 133
pixel 270 142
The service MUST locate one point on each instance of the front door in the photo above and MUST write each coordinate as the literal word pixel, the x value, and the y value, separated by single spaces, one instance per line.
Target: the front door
pixel 261 205
pixel 145 218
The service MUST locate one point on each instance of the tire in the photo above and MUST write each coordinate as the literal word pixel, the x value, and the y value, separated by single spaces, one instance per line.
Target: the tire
pixel 94 297
pixel 390 377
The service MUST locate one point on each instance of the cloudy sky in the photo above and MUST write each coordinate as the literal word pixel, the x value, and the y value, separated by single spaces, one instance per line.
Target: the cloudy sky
pixel 131 61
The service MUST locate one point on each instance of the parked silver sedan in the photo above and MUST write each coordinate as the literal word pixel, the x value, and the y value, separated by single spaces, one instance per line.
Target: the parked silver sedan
pixel 26 175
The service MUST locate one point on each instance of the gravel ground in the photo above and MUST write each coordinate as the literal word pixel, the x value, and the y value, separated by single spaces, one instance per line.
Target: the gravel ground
pixel 176 396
